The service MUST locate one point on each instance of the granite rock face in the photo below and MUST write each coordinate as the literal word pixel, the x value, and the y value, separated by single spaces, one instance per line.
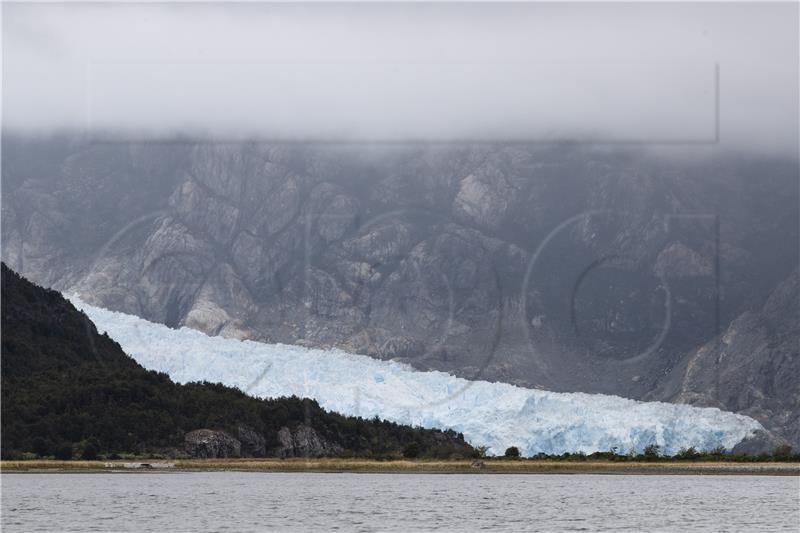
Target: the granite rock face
pixel 751 368
pixel 763 442
pixel 555 266
pixel 304 441
pixel 211 444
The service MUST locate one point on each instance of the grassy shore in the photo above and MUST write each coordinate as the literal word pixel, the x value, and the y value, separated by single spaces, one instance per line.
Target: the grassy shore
pixel 495 466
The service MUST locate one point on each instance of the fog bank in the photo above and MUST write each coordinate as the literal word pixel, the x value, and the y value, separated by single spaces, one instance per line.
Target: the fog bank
pixel 710 74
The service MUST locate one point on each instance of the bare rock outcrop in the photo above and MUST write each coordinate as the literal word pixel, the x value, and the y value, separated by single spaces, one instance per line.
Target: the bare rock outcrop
pixel 761 442
pixel 679 261
pixel 304 441
pixel 751 368
pixel 211 444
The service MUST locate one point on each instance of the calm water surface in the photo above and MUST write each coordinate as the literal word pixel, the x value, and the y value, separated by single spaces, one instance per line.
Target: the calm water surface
pixel 238 501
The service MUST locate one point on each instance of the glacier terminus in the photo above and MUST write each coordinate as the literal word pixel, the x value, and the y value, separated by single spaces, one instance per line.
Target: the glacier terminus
pixel 494 415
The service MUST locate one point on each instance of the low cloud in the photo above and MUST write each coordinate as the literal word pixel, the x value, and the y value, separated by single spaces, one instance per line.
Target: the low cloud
pixel 711 74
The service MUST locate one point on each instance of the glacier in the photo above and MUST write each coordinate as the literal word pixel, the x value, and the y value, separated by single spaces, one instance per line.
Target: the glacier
pixel 495 415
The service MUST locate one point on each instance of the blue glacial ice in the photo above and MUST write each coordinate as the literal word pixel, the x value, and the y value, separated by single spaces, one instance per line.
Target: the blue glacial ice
pixel 496 415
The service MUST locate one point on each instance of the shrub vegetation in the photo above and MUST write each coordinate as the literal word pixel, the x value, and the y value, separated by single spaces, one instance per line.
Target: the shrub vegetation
pixel 512 452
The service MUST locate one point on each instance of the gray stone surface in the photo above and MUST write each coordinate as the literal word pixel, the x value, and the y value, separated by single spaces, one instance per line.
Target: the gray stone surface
pixel 763 442
pixel 304 441
pixel 211 444
pixel 753 367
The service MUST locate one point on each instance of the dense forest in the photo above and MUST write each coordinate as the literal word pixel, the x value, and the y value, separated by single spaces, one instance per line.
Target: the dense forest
pixel 68 392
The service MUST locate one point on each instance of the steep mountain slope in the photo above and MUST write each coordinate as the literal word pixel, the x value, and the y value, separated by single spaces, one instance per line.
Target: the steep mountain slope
pixel 563 267
pixel 63 384
pixel 752 368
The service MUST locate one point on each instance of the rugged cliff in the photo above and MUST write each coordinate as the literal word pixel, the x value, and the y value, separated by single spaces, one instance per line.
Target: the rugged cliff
pixel 565 267
pixel 751 368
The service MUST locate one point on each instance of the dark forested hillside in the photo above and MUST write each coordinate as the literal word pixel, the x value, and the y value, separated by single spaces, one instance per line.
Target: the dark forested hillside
pixel 68 390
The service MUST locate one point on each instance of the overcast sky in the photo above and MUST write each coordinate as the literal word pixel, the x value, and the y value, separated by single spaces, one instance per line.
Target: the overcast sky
pixel 600 72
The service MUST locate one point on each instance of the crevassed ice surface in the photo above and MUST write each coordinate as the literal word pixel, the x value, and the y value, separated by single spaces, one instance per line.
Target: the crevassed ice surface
pixel 496 415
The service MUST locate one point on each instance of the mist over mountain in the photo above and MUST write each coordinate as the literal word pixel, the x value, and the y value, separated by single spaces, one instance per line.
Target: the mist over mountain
pixel 514 237
pixel 573 197
pixel 695 75
pixel 554 266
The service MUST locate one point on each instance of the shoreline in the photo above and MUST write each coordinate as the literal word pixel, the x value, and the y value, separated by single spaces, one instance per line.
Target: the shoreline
pixel 332 465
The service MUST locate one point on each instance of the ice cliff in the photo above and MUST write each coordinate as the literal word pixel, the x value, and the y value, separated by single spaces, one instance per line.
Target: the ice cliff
pixel 496 415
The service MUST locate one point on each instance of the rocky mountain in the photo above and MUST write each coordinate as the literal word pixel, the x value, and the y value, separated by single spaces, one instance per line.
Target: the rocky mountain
pixel 559 266
pixel 69 391
pixel 751 368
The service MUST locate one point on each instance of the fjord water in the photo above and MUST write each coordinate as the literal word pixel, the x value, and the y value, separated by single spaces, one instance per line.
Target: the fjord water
pixel 246 501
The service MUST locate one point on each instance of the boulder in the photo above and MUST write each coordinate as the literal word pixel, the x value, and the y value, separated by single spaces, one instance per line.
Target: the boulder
pixel 211 444
pixel 303 441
